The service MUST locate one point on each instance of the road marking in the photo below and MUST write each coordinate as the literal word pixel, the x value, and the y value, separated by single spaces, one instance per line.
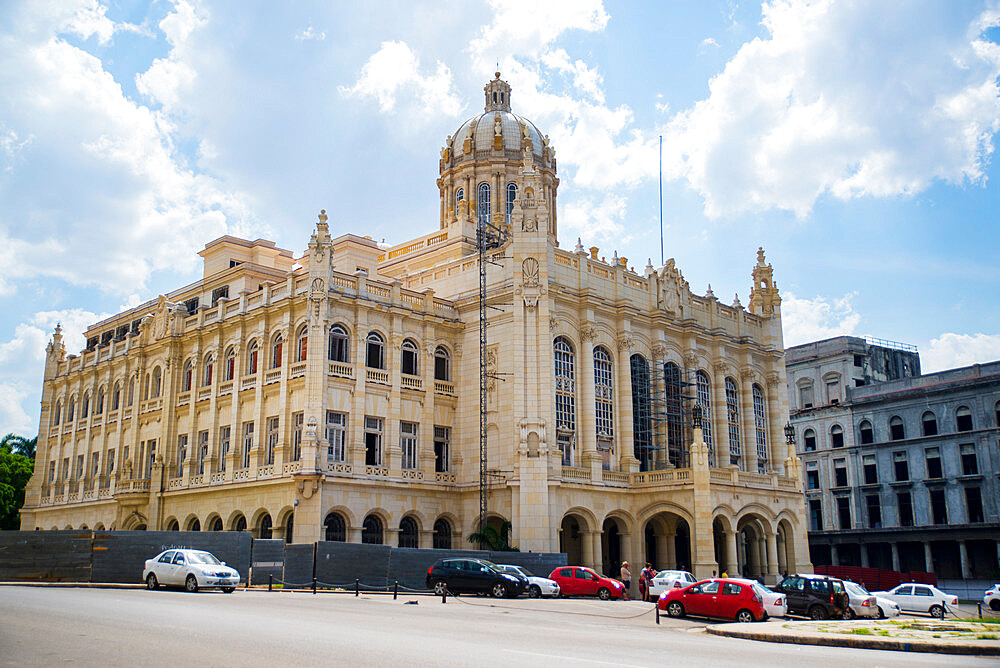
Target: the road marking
pixel 577 659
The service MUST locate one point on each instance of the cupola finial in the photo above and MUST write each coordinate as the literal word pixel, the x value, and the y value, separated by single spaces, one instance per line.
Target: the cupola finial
pixel 497 94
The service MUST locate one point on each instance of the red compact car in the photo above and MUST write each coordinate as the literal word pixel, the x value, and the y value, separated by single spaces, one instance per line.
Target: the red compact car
pixel 726 599
pixel 580 581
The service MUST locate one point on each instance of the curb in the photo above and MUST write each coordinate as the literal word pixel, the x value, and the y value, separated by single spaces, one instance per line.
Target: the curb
pixel 857 642
pixel 78 585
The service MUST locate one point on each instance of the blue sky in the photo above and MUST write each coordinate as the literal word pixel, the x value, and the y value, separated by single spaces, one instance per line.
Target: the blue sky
pixel 854 141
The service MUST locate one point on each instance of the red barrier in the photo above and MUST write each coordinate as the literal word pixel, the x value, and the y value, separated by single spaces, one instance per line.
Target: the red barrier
pixel 876 579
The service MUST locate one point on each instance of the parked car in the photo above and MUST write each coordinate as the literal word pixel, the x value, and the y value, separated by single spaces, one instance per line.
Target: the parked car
pixel 537 586
pixel 473 576
pixel 814 596
pixel 665 580
pixel 922 598
pixel 725 599
pixel 991 597
pixel 774 603
pixel 582 581
pixel 862 603
pixel 192 569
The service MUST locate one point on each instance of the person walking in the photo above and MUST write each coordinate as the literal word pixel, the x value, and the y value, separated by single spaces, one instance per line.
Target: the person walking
pixel 646 576
pixel 626 579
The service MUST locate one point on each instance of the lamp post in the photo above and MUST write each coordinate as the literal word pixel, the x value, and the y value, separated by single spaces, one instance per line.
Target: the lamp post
pixel 789 433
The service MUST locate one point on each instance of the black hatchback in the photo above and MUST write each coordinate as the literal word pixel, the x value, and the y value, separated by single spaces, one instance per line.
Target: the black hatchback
pixel 473 576
pixel 814 596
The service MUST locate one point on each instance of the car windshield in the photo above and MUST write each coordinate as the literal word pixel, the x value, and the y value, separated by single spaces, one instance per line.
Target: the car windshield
pixel 516 570
pixel 760 591
pixel 856 589
pixel 203 558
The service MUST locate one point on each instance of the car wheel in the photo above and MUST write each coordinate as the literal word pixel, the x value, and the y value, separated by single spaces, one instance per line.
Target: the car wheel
pixel 151 582
pixel 534 591
pixel 849 614
pixel 440 587
pixel 744 616
pixel 675 609
pixel 817 612
pixel 604 593
pixel 499 590
pixel 881 613
pixel 937 611
pixel 191 584
pixel 995 604
pixel 229 590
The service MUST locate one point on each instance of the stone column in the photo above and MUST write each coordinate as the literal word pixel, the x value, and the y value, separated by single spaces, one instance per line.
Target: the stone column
pixel 732 565
pixel 587 548
pixel 963 557
pixel 772 559
pixel 928 558
pixel 597 551
pixel 834 561
pixel 664 551
pixel 720 415
pixel 895 556
pixel 623 408
pixel 747 426
pixel 586 410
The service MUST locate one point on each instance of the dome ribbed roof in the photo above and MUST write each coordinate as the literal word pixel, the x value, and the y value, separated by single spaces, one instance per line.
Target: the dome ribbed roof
pixel 482 128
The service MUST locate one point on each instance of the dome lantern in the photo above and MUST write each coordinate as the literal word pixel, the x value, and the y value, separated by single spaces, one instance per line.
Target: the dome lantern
pixel 497 94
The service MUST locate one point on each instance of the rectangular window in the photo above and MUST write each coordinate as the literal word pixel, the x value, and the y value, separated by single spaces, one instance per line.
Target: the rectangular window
pixel 52 471
pixel 224 433
pixel 95 464
pixel 874 511
pixel 833 391
pixel 272 439
pixel 844 511
pixel 565 441
pixel 219 293
pixel 65 468
pixel 970 464
pixel 78 471
pixel 247 443
pixel 904 504
pixel 336 428
pixel 901 466
pixel 809 439
pixel 408 444
pixel 125 455
pixel 812 475
pixel 182 446
pixel 859 361
pixel 974 504
pixel 202 451
pixel 191 305
pixel 871 469
pixel 109 462
pixel 373 441
pixel 298 419
pixel 840 473
pixel 442 448
pixel 815 515
pixel 939 510
pixel 933 456
pixel 836 437
pixel 806 396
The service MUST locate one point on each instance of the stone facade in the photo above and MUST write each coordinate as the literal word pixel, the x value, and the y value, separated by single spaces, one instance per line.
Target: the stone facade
pixel 900 474
pixel 336 395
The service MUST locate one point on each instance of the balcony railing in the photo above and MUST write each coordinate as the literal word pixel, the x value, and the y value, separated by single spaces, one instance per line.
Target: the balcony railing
pixel 411 382
pixel 444 387
pixel 298 370
pixel 340 370
pixel 377 376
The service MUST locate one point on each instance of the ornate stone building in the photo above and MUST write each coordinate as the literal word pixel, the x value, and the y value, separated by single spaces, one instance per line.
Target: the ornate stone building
pixel 336 395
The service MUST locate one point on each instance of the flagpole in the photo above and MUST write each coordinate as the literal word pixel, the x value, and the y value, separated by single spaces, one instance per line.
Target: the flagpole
pixel 661 200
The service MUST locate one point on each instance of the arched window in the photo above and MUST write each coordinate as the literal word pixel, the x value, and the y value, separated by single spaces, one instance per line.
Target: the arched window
pixel 71 411
pixel 374 351
pixel 276 347
pixel 85 406
pixel 207 370
pixel 195 525
pixel 642 421
pixel 809 440
pixel 836 436
pixel 408 532
pixel 116 396
pixel 411 356
pixel 511 197
pixel 703 392
pixel 371 530
pixel 240 524
pixel 442 364
pixel 157 383
pixel 302 344
pixel 215 524
pixel 760 428
pixel 188 377
pixel 565 385
pixel 866 432
pixel 336 528
pixel 99 402
pixel 131 390
pixel 674 410
pixel 57 415
pixel 339 348
pixel 733 420
pixel 442 534
pixel 264 529
pixel 603 394
pixel 484 203
pixel 996 412
pixel 229 366
pixel 896 431
pixel 963 419
pixel 459 195
pixel 929 423
pixel 253 351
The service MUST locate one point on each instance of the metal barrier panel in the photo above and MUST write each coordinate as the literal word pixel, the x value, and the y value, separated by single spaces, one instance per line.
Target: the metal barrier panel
pixel 538 563
pixel 267 559
pixel 46 556
pixel 298 570
pixel 119 556
pixel 342 563
pixel 410 565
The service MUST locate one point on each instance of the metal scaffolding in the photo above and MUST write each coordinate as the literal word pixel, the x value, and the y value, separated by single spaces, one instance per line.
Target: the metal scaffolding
pixel 662 398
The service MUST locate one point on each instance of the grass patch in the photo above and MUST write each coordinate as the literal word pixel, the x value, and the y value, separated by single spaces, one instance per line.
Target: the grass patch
pixel 862 632
pixel 882 632
pixel 987 636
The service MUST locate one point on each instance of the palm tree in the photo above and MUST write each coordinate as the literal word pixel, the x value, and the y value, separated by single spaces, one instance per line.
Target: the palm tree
pixel 490 539
pixel 19 444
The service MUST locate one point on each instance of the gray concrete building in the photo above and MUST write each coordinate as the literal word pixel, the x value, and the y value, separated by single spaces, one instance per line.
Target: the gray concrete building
pixel 901 470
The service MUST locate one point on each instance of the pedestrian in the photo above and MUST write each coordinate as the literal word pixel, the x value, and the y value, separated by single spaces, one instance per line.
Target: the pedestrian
pixel 725 574
pixel 626 579
pixel 645 577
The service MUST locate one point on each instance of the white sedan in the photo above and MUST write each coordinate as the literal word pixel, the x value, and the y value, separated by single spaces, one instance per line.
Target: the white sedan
pixel 877 607
pixel 923 598
pixel 536 586
pixel 991 597
pixel 667 580
pixel 775 603
pixel 193 569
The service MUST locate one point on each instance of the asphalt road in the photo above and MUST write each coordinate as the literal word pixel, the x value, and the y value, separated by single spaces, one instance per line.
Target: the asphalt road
pixel 115 627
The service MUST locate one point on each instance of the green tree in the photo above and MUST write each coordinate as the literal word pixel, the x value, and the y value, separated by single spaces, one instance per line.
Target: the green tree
pixel 15 471
pixel 491 539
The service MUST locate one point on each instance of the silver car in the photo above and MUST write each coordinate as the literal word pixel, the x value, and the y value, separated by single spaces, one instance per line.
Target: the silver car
pixel 537 586
pixel 192 569
pixel 862 604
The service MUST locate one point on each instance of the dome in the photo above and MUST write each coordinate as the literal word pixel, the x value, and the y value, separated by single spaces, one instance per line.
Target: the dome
pixel 481 129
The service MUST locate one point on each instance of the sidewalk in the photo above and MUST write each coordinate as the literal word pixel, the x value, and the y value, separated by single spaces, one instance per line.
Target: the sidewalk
pixel 78 585
pixel 953 637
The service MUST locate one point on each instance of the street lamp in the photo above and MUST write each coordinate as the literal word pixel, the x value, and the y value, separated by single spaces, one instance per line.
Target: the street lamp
pixel 789 433
pixel 696 417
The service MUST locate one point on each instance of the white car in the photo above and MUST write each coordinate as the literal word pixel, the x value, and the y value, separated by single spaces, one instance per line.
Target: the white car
pixel 667 580
pixel 861 602
pixel 775 604
pixel 536 586
pixel 192 569
pixel 991 597
pixel 924 598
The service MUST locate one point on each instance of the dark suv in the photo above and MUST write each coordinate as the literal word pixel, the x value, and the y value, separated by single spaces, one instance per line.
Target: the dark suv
pixel 814 596
pixel 473 576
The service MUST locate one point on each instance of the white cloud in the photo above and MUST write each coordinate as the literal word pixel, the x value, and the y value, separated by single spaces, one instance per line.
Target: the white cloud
pixel 526 27
pixel 709 41
pixel 597 220
pixel 310 34
pixel 806 320
pixel 952 350
pixel 842 99
pixel 394 68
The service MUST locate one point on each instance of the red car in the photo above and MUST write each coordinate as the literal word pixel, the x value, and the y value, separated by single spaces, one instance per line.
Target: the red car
pixel 581 581
pixel 726 599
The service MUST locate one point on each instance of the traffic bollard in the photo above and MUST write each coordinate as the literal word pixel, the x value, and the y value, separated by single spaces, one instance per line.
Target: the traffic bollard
pixel 314 586
pixel 657 614
pixel 395 589
pixel 270 581
pixel 357 587
pixel 979 606
pixel 444 595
